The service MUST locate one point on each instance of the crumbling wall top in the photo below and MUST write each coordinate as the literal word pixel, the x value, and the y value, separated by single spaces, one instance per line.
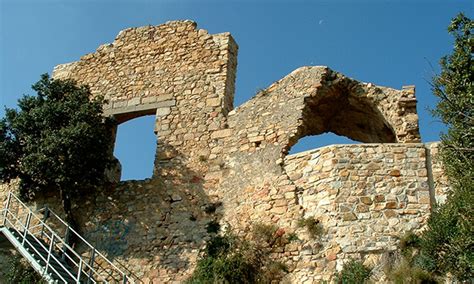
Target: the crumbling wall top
pixel 150 67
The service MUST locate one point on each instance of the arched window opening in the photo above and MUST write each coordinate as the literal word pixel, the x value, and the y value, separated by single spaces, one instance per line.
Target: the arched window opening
pixel 318 141
pixel 135 147
pixel 348 116
pixel 344 116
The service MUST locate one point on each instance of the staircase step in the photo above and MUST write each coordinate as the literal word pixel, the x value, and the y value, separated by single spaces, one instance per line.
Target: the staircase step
pixel 35 246
pixel 37 249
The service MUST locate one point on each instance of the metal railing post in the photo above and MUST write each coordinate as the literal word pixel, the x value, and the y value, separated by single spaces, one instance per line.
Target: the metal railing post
pixel 91 268
pixel 66 242
pixel 124 279
pixel 50 250
pixel 86 267
pixel 7 208
pixel 27 225
pixel 43 222
pixel 79 270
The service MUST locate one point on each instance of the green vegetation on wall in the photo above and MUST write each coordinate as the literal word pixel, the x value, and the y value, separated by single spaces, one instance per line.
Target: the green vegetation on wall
pixel 353 272
pixel 447 246
pixel 57 141
pixel 19 272
pixel 228 258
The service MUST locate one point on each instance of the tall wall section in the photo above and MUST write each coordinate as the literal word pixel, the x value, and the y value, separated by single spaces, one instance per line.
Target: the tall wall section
pixel 181 74
pixel 231 166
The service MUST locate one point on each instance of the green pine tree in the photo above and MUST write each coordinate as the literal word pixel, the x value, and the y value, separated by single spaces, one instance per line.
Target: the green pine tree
pixel 447 246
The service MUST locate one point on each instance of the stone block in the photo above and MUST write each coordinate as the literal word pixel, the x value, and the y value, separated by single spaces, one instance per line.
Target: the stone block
pixel 349 216
pixel 148 100
pixel 395 173
pixel 167 103
pixel 423 197
pixel 119 104
pixel 163 111
pixel 390 213
pixel 279 210
pixel 391 205
pixel 366 200
pixel 166 97
pixel 379 198
pixel 133 101
pixel 221 133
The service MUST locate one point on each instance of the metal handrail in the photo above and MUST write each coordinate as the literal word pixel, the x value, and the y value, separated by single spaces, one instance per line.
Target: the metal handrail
pixel 96 252
pixel 129 276
pixel 87 243
pixel 90 267
pixel 53 236
pixel 82 266
pixel 39 254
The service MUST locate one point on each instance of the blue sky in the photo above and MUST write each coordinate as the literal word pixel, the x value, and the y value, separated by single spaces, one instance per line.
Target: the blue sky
pixel 386 42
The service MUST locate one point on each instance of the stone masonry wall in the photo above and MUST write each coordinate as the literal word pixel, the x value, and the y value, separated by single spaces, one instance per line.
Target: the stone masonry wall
pixel 179 73
pixel 216 164
pixel 365 196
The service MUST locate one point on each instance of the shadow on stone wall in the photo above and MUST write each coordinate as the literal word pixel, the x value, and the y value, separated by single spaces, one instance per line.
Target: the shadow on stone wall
pixel 156 225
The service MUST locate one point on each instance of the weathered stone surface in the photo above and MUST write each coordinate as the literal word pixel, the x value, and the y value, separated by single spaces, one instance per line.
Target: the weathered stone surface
pixel 364 196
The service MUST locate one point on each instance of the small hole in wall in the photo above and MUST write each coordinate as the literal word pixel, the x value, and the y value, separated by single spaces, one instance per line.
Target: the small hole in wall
pixel 318 141
pixel 135 147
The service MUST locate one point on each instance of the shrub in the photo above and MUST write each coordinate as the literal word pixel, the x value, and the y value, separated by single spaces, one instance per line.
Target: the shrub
pixel 19 272
pixel 292 237
pixel 313 226
pixel 405 272
pixel 272 271
pixel 226 259
pixel 424 262
pixel 264 232
pixel 408 243
pixel 229 259
pixel 213 227
pixel 447 244
pixel 56 142
pixel 353 272
pixel 270 235
pixel 409 265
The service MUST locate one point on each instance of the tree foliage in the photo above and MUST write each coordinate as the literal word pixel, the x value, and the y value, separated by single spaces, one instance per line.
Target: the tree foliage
pixel 455 89
pixel 447 246
pixel 57 141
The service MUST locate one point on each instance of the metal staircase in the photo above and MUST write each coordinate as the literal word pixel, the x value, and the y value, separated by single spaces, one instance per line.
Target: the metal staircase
pixel 48 252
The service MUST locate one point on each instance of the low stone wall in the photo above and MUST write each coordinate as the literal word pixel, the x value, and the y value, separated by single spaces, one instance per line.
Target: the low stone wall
pixel 365 196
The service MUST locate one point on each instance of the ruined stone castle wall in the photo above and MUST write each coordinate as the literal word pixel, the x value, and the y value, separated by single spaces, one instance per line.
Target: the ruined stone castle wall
pixel 216 164
pixel 438 179
pixel 309 101
pixel 181 74
pixel 365 196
